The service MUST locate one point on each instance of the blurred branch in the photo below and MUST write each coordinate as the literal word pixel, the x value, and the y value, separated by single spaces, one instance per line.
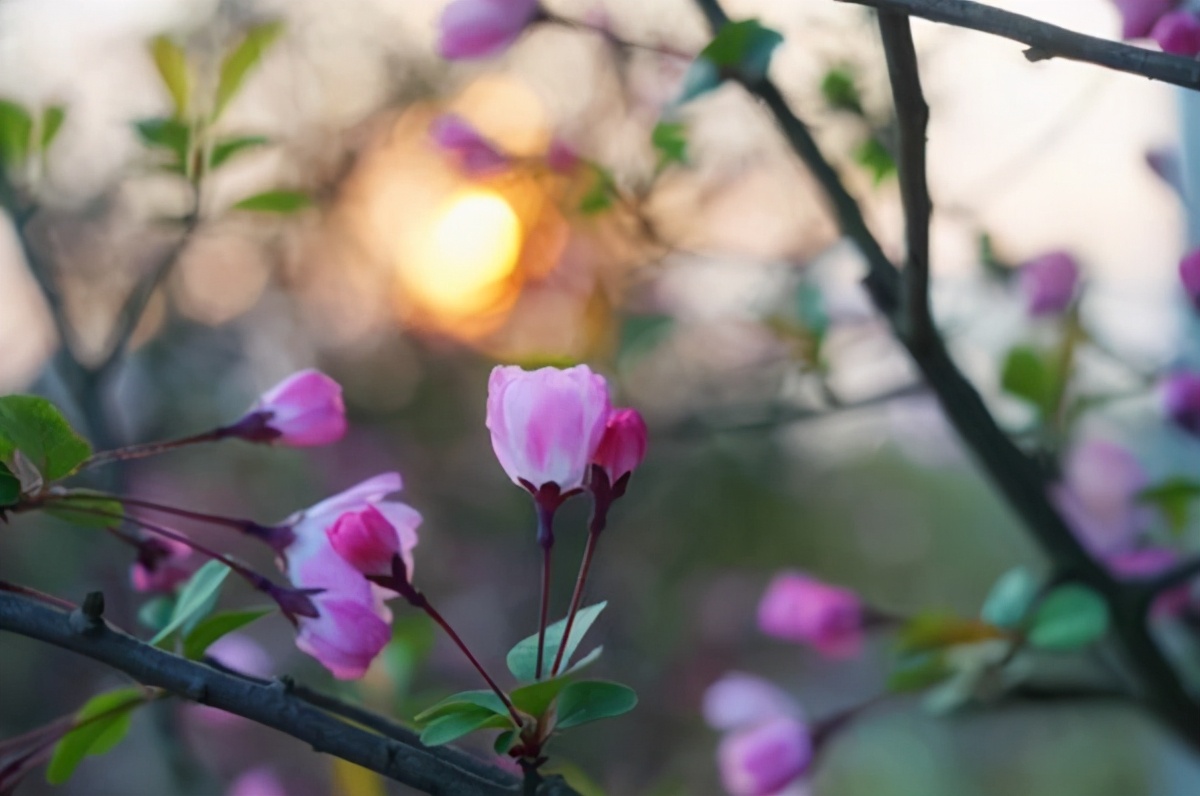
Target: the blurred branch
pixel 1180 575
pixel 398 756
pixel 1022 481
pixel 1049 41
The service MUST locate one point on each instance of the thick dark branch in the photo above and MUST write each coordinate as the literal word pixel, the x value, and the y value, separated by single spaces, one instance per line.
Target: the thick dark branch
pixel 1049 41
pixel 1180 575
pixel 397 757
pixel 912 120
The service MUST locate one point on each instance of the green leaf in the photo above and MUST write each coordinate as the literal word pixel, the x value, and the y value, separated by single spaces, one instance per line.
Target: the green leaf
pixel 241 59
pixel 810 308
pixel 36 428
pixel 16 131
pixel 98 513
pixel 103 722
pixel 504 741
pixel 172 64
pixel 1070 617
pixel 701 77
pixel 169 134
pixel 155 613
pixel 275 202
pixel 464 701
pixel 536 698
pixel 52 121
pixel 592 700
pixel 1009 600
pixel 455 725
pixel 1028 374
pixel 196 599
pixel 745 47
pixel 211 628
pixel 599 197
pixel 839 87
pixel 934 631
pixel 873 156
pixel 917 672
pixel 226 148
pixel 1173 498
pixel 522 659
pixel 670 139
pixel 639 334
pixel 10 487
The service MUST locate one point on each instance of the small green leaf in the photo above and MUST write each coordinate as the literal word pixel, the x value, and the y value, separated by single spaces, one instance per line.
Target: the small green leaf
pixel 839 87
pixel 810 308
pixel 226 148
pixel 504 741
pixel 99 513
pixel 52 121
pixel 1028 374
pixel 1173 498
pixel 196 598
pixel 241 59
pixel 102 723
pixel 522 659
pixel 701 77
pixel 600 196
pixel 154 614
pixel 169 134
pixel 172 64
pixel 455 725
pixel 16 131
pixel 10 487
pixel 464 700
pixel 873 156
pixel 670 139
pixel 932 631
pixel 36 428
pixel 275 202
pixel 592 700
pixel 535 698
pixel 1010 598
pixel 744 46
pixel 211 628
pixel 917 672
pixel 1070 617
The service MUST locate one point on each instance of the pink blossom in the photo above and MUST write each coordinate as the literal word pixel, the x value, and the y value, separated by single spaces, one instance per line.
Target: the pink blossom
pixel 1138 16
pixel 561 158
pixel 623 445
pixel 482 28
pixel 473 154
pixel 1098 495
pixel 739 700
pixel 303 410
pixel 546 424
pixel 162 566
pixel 368 541
pixel 1178 33
pixel 1048 283
pixel 765 758
pixel 353 625
pixel 1181 399
pixel 798 608
pixel 1147 562
pixel 1189 274
pixel 261 781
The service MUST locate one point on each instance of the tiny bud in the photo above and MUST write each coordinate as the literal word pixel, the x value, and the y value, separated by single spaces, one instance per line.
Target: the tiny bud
pixel 798 608
pixel 162 565
pixel 1048 283
pixel 1178 33
pixel 368 542
pixel 623 445
pixel 481 28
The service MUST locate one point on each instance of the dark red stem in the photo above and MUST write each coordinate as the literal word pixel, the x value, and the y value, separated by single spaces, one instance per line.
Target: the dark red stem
pixel 580 582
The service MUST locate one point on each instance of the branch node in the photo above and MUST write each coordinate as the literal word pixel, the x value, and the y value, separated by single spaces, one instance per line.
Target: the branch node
pixel 89 617
pixel 1035 54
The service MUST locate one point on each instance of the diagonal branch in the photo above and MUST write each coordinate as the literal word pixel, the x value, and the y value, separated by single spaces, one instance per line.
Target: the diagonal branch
pixel 1049 41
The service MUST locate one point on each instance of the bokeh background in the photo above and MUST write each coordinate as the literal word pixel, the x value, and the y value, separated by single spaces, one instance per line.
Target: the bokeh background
pixel 698 293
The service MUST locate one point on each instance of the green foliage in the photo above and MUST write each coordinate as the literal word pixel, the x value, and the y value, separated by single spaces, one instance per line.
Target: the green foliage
pixel 873 156
pixel 463 701
pixel 1173 498
pixel 1070 617
pixel 170 135
pixel 601 195
pixel 536 698
pixel 917 671
pixel 155 613
pixel 522 659
pixel 275 202
pixel 52 121
pixel 1030 374
pixel 16 130
pixel 226 148
pixel 670 140
pixel 931 631
pixel 101 724
pixel 244 56
pixel 741 49
pixel 89 511
pixel 1009 600
pixel 171 62
pixel 196 600
pixel 452 726
pixel 839 87
pixel 592 700
pixel 208 630
pixel 10 487
pixel 34 427
pixel 504 741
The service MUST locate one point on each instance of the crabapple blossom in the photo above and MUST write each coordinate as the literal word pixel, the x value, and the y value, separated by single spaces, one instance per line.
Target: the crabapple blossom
pixel 798 608
pixel 482 28
pixel 1048 282
pixel 303 410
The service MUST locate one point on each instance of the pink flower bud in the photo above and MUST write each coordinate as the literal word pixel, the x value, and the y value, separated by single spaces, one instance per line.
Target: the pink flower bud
pixel 546 424
pixel 1189 274
pixel 1138 16
pixel 561 158
pixel 1098 495
pixel 162 566
pixel 260 781
pixel 303 410
pixel 1048 283
pixel 368 542
pixel 1181 400
pixel 473 154
pixel 623 445
pixel 482 28
pixel 1178 33
pixel 798 608
pixel 763 759
pixel 1148 562
pixel 739 700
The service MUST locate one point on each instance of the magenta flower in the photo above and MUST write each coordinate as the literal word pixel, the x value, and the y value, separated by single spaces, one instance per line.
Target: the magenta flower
pixel 162 566
pixel 353 623
pixel 546 424
pixel 1098 496
pixel 798 608
pixel 1138 16
pixel 482 28
pixel 740 700
pixel 1048 283
pixel 561 158
pixel 623 445
pixel 1146 562
pixel 368 541
pixel 1181 399
pixel 473 154
pixel 303 410
pixel 1178 33
pixel 765 758
pixel 261 781
pixel 1189 274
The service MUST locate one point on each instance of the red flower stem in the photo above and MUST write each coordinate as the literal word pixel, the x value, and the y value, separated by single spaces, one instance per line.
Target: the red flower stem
pixel 41 596
pixel 420 601
pixel 545 609
pixel 580 582
pixel 211 519
pixel 151 448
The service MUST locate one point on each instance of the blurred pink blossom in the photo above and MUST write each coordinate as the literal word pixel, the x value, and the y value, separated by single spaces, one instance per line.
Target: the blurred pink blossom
pixel 560 157
pixel 738 700
pixel 763 759
pixel 1147 562
pixel 1048 282
pixel 623 445
pixel 1180 393
pixel 162 565
pixel 1178 33
pixel 1138 16
pixel 303 410
pixel 482 28
pixel 1189 274
pixel 473 154
pixel 367 540
pixel 260 781
pixel 798 608
pixel 546 424
pixel 1098 496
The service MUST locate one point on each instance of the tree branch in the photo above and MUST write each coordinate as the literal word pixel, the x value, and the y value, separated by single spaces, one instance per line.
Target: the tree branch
pixel 1049 41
